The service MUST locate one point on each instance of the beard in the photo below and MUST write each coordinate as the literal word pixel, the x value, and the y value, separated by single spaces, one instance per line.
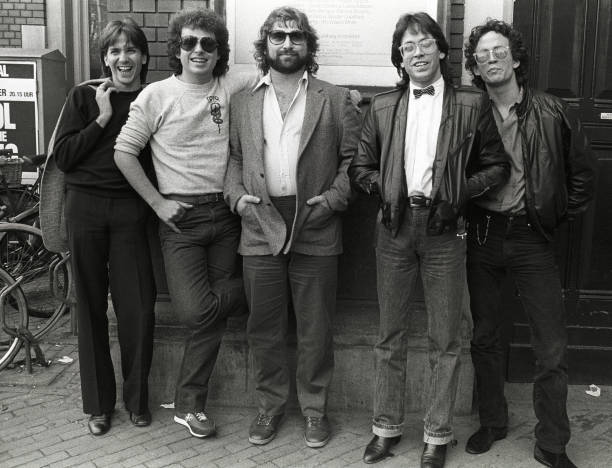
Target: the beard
pixel 287 63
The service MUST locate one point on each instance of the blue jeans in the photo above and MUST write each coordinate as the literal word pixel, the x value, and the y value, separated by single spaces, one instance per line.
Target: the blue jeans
pixel 495 246
pixel 309 282
pixel 200 262
pixel 441 261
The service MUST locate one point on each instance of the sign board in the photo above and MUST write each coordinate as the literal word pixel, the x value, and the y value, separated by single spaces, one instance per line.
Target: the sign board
pixel 18 107
pixel 354 35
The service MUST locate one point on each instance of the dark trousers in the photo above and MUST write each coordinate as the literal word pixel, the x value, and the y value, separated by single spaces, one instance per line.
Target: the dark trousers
pixel 200 262
pixel 109 246
pixel 311 281
pixel 497 245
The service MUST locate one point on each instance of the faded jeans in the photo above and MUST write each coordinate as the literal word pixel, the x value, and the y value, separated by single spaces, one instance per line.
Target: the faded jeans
pixel 497 246
pixel 441 262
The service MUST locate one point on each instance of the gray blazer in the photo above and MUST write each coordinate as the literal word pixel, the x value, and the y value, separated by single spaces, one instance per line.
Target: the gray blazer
pixel 330 134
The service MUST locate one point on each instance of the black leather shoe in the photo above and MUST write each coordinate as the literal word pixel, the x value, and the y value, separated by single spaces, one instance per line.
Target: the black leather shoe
pixel 99 424
pixel 482 440
pixel 141 420
pixel 433 456
pixel 263 428
pixel 554 460
pixel 379 448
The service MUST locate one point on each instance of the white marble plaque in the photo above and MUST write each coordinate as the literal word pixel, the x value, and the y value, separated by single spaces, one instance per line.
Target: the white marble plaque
pixel 354 35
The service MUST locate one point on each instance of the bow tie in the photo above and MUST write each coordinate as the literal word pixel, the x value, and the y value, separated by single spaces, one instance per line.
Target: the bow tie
pixel 419 92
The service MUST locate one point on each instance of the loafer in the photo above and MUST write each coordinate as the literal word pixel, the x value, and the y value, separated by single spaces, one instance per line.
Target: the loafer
pixel 263 428
pixel 316 431
pixel 554 460
pixel 379 448
pixel 482 440
pixel 198 424
pixel 433 456
pixel 141 420
pixel 99 424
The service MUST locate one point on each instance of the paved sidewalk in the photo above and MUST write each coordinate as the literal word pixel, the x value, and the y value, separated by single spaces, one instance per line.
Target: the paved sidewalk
pixel 41 424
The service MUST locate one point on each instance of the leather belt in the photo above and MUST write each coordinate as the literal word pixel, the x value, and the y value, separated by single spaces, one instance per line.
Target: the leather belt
pixel 419 201
pixel 197 199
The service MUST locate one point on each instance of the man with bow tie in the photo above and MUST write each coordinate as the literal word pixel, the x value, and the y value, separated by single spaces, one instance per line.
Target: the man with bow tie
pixel 426 148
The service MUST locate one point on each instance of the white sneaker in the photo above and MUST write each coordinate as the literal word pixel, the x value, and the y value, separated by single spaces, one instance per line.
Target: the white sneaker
pixel 197 423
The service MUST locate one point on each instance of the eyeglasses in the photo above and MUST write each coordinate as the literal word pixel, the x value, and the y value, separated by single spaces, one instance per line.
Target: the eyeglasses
pixel 427 46
pixel 496 53
pixel 277 37
pixel 188 43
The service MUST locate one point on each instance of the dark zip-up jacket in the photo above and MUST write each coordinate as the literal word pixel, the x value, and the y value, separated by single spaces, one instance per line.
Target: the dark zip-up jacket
pixel 559 164
pixel 470 157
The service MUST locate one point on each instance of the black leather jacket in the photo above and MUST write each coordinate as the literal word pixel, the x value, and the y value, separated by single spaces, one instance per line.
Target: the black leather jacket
pixel 470 157
pixel 558 162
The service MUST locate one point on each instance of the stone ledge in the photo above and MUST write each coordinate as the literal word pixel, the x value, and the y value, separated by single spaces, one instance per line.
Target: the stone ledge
pixel 355 331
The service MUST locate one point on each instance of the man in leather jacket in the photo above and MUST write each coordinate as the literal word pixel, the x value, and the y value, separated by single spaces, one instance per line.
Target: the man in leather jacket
pixel 552 178
pixel 426 148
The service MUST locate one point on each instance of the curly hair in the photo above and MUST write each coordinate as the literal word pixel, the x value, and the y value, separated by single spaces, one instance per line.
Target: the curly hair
pixel 134 35
pixel 418 22
pixel 285 15
pixel 198 19
pixel 517 49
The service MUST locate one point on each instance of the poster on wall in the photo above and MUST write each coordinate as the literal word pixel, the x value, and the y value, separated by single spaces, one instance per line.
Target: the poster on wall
pixel 354 35
pixel 18 107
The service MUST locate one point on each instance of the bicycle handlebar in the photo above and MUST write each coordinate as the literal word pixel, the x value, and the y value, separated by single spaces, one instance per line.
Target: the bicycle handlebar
pixel 37 160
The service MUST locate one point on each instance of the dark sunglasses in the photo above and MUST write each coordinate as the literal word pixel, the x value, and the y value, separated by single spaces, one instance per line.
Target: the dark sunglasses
pixel 208 44
pixel 277 37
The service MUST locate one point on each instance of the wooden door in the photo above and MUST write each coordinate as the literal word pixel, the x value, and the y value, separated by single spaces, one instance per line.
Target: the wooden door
pixel 569 44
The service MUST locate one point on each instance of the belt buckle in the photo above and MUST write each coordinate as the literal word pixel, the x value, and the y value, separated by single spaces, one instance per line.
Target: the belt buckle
pixel 213 197
pixel 418 201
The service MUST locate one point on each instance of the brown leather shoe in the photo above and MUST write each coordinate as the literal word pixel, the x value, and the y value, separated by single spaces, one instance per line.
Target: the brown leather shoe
pixel 482 440
pixel 379 448
pixel 433 456
pixel 99 424
pixel 316 431
pixel 554 460
pixel 141 420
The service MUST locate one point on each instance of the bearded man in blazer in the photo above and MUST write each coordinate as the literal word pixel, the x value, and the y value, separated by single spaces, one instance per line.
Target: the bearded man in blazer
pixel 292 139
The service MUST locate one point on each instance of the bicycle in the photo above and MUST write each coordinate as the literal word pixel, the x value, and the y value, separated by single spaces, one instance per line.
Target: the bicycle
pixel 19 202
pixel 36 283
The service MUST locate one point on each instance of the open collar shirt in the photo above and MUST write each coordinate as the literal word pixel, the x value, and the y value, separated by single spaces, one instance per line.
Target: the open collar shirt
pixel 282 137
pixel 510 198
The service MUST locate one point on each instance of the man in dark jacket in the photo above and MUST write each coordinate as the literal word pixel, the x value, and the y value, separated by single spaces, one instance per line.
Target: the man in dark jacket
pixel 510 230
pixel 426 149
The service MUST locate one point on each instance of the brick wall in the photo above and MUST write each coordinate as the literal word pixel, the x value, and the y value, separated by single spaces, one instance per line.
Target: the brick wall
pixel 153 17
pixel 14 14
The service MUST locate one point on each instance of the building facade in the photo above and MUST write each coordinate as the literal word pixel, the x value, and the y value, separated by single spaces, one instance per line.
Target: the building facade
pixel 568 41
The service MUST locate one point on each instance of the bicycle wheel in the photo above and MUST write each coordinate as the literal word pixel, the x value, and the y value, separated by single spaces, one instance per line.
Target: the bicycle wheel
pixel 13 314
pixel 17 200
pixel 46 276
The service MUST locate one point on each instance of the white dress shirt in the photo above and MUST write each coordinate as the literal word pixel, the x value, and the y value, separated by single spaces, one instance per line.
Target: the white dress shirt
pixel 282 138
pixel 422 128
